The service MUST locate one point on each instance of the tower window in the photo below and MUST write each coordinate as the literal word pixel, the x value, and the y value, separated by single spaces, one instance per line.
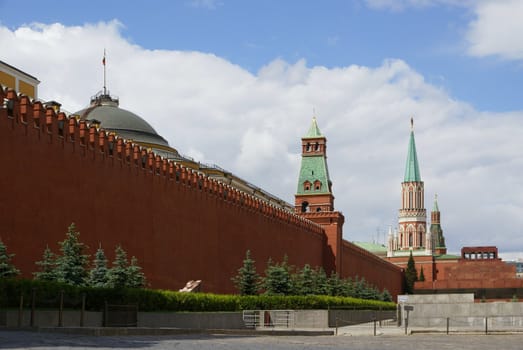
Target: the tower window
pixel 317 185
pixel 317 147
pixel 318 209
pixel 304 207
pixel 307 186
pixel 308 147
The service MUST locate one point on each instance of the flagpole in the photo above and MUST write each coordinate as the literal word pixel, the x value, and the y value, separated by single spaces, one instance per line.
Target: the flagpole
pixel 103 61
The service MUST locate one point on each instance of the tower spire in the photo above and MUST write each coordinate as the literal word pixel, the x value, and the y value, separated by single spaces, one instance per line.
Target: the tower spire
pixel 412 173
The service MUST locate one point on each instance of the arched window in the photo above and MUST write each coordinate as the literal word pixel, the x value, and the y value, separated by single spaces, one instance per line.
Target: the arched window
pixel 317 147
pixel 318 209
pixel 307 186
pixel 308 147
pixel 317 185
pixel 304 207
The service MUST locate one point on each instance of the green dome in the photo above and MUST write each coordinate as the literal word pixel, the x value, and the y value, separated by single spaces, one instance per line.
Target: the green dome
pixel 104 109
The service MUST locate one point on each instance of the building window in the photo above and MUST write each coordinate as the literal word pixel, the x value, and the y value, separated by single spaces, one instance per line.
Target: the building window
pixel 308 148
pixel 307 186
pixel 317 185
pixel 317 147
pixel 304 207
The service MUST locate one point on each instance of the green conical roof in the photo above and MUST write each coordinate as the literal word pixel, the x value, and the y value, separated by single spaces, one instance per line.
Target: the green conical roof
pixel 314 168
pixel 314 131
pixel 435 208
pixel 412 173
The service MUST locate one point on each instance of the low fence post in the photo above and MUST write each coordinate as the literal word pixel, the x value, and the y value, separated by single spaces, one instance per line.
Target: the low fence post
pixel 448 322
pixel 374 327
pixel 61 309
pixel 336 324
pixel 33 307
pixel 82 311
pixel 21 310
pixel 486 325
pixel 106 309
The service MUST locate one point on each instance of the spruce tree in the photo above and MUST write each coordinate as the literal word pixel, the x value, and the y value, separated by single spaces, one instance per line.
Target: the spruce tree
pixel 99 274
pixel 119 271
pixel 386 296
pixel 247 281
pixel 71 265
pixel 135 276
pixel 47 266
pixel 321 282
pixel 305 281
pixel 7 269
pixel 411 275
pixel 277 279
pixel 421 275
pixel 335 285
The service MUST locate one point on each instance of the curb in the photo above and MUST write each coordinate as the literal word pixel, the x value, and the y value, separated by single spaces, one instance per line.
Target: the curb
pixel 123 331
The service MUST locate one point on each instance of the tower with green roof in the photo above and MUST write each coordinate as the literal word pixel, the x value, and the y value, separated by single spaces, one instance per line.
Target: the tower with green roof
pixel 412 215
pixel 435 229
pixel 314 200
pixel 314 192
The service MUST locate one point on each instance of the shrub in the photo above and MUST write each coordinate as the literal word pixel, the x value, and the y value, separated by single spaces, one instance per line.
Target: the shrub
pixel 47 295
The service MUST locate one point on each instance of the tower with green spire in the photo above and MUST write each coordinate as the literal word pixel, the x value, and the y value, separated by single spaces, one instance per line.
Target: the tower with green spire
pixel 314 199
pixel 314 191
pixel 435 229
pixel 412 215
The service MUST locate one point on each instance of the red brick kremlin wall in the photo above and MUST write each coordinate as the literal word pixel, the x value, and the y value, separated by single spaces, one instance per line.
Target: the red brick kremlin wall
pixel 179 224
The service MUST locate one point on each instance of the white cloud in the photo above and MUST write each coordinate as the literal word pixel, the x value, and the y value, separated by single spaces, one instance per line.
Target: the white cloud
pixel 207 4
pixel 497 29
pixel 400 5
pixel 251 124
pixel 494 31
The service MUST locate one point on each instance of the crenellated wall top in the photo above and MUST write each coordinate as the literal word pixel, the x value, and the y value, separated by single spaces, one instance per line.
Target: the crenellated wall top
pixel 89 137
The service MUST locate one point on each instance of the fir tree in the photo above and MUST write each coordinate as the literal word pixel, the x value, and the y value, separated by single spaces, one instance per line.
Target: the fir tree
pixel 47 266
pixel 421 275
pixel 99 274
pixel 321 282
pixel 7 269
pixel 71 265
pixel 304 281
pixel 247 281
pixel 386 296
pixel 135 276
pixel 335 285
pixel 277 279
pixel 119 272
pixel 411 275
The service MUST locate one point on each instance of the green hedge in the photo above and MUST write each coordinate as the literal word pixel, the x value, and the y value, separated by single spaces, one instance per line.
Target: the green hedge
pixel 48 296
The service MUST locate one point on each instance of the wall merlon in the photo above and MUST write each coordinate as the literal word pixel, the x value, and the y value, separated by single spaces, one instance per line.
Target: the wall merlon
pixel 88 137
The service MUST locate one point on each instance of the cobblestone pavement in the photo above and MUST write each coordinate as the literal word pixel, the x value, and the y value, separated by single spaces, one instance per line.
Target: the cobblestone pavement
pixel 41 341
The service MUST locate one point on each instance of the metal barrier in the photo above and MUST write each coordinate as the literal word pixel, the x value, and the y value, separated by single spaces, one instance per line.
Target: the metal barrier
pixel 269 318
pixel 477 324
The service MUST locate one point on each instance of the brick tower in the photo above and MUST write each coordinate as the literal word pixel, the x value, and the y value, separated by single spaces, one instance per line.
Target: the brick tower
pixel 412 215
pixel 314 199
pixel 435 229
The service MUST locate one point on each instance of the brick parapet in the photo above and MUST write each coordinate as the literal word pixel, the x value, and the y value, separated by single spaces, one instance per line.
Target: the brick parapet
pixel 99 145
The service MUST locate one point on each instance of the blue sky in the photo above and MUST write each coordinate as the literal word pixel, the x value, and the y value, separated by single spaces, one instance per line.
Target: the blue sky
pixel 235 83
pixel 328 33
